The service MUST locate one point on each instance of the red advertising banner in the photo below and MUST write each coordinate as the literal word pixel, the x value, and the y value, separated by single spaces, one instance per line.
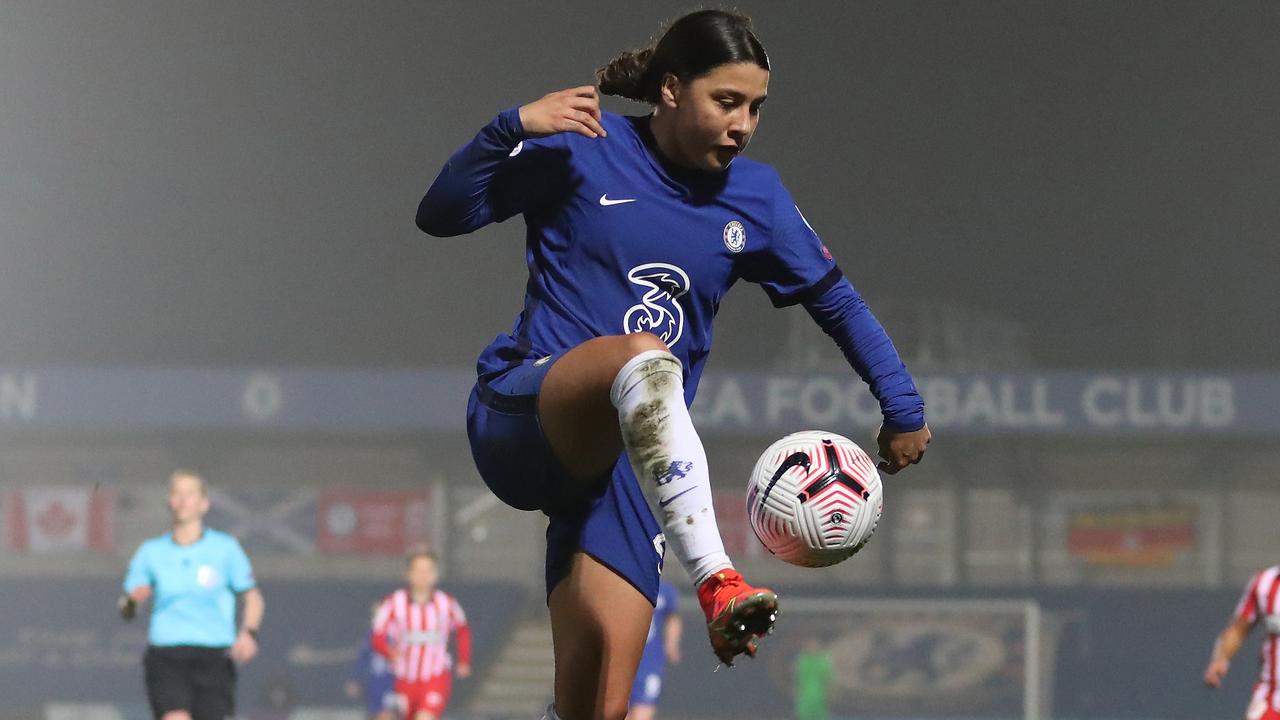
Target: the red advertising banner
pixel 731 517
pixel 375 522
pixel 1145 537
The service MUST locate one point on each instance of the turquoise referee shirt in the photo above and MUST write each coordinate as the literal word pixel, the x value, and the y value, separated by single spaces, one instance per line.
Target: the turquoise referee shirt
pixel 195 587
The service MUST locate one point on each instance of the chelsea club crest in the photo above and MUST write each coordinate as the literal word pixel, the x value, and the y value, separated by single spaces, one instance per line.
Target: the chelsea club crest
pixel 735 236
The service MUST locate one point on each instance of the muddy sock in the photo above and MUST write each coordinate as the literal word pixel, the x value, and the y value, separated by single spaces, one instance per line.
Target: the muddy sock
pixel 667 457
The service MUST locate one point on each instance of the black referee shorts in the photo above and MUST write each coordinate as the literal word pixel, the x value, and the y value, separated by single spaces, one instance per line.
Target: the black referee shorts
pixel 200 680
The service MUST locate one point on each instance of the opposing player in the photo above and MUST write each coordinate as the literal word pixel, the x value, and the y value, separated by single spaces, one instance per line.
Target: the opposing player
pixel 637 227
pixel 412 629
pixel 193 574
pixel 1260 604
pixel 662 646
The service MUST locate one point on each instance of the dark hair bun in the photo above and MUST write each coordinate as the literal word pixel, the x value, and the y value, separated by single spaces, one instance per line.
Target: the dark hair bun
pixel 626 75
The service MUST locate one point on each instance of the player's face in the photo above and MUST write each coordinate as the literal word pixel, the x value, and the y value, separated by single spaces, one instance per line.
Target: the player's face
pixel 716 114
pixel 422 574
pixel 187 499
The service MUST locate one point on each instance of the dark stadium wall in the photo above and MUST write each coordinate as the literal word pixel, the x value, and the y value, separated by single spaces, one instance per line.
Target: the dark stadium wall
pixel 235 183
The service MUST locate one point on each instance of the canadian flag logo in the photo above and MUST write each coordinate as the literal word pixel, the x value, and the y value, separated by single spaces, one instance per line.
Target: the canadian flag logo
pixel 57 519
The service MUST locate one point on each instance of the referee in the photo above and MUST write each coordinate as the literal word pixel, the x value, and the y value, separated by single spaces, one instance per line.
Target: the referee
pixel 193 574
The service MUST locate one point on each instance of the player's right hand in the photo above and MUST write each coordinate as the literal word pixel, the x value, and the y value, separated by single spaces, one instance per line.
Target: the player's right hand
pixel 900 449
pixel 128 603
pixel 573 110
pixel 128 607
pixel 1215 672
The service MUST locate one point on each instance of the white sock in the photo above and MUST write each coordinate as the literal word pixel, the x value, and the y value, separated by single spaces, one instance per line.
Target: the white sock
pixel 667 457
pixel 551 713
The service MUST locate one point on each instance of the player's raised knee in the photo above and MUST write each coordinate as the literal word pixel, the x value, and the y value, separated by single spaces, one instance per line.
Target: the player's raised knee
pixel 646 362
pixel 641 342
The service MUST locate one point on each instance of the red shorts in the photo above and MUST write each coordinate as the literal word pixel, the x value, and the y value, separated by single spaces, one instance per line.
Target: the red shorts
pixel 1260 707
pixel 424 695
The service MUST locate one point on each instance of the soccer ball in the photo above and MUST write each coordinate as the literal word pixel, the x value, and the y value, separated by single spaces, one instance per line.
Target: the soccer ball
pixel 814 498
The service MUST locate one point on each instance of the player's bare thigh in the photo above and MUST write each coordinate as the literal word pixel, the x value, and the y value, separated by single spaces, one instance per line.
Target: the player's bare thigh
pixel 599 622
pixel 574 408
pixel 176 715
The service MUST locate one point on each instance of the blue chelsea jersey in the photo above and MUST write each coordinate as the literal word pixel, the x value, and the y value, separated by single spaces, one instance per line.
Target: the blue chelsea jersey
pixel 620 241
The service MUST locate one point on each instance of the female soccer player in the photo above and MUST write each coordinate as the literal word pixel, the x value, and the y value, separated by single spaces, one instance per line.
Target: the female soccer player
pixel 1260 604
pixel 637 227
pixel 412 629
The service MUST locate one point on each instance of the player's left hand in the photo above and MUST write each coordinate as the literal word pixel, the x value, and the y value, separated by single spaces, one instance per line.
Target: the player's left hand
pixel 244 648
pixel 1215 672
pixel 464 670
pixel 900 449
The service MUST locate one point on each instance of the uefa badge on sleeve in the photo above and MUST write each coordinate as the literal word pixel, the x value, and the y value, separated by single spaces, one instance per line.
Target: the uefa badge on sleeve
pixel 735 236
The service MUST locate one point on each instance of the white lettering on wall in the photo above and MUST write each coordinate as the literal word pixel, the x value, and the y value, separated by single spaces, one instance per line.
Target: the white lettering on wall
pixel 17 397
pixel 1159 403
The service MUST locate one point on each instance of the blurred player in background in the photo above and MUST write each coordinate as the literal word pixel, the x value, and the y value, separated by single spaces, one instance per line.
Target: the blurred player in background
pixel 372 679
pixel 412 629
pixel 1260 603
pixel 636 229
pixel 661 647
pixel 812 674
pixel 192 575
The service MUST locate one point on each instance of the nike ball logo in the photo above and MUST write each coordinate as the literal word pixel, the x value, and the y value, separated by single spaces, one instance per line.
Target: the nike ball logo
pixel 604 200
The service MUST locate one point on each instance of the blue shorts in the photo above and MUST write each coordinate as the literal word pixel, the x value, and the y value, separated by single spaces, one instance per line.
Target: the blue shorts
pixel 612 523
pixel 648 685
pixel 380 694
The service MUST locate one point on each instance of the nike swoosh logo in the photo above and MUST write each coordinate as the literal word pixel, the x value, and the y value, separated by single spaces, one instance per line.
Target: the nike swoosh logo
pixel 605 201
pixel 793 460
pixel 668 501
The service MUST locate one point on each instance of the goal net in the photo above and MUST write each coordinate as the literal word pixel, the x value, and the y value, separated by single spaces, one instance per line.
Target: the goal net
pixel 925 658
